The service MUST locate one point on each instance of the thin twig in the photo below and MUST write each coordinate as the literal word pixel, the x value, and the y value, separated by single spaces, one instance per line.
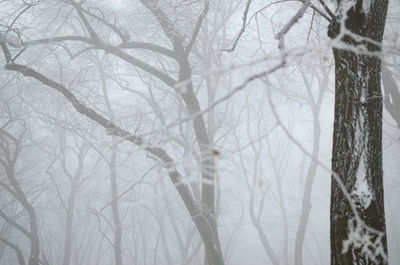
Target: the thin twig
pixel 242 30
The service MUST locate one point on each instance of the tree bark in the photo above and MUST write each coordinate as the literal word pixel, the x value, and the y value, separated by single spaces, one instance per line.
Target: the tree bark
pixel 358 231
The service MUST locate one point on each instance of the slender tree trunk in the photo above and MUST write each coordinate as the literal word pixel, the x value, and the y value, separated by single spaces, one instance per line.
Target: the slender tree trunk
pixel 113 171
pixel 68 227
pixel 357 138
pixel 306 204
pixel 392 96
pixel 208 169
pixel 200 130
pixel 261 234
pixel 35 249
pixel 114 206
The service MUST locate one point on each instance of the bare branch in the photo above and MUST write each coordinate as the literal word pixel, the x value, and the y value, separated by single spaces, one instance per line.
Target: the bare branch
pixel 242 30
pixel 326 9
pixel 78 8
pixel 166 24
pixel 14 247
pixel 123 36
pixel 107 48
pixel 16 18
pixel 15 224
pixel 147 46
pixel 197 29
pixel 6 52
pixel 281 34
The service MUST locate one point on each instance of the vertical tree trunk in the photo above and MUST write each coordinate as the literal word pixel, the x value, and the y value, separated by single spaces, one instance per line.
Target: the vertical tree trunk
pixel 208 169
pixel 113 170
pixel 68 227
pixel 114 205
pixel 306 203
pixel 357 137
pixel 392 96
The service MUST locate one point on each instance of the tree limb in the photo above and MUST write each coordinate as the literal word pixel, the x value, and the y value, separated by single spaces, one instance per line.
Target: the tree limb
pixel 166 24
pixel 242 30
pixel 147 46
pixel 20 256
pixel 14 224
pixel 107 48
pixel 196 30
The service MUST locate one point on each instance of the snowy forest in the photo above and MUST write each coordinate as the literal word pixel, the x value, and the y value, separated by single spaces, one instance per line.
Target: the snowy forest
pixel 199 132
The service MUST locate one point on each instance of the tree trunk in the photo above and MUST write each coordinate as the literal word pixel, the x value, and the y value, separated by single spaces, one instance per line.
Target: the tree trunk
pixel 208 168
pixel 358 231
pixel 306 203
pixel 392 96
pixel 114 206
pixel 68 227
pixel 113 171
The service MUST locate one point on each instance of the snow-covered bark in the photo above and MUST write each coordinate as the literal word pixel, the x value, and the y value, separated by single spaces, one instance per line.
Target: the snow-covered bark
pixel 358 232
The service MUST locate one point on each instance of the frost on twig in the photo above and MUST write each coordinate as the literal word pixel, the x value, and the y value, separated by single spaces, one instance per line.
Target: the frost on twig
pixel 366 241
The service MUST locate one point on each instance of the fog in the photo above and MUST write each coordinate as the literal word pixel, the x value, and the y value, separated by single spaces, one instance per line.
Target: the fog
pixel 184 132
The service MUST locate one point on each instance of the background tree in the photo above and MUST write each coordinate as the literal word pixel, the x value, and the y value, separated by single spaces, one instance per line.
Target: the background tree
pixel 12 143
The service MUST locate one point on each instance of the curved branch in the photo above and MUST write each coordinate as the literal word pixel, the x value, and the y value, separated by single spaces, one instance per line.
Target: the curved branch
pixel 123 36
pixel 200 218
pixel 107 48
pixel 78 8
pixel 281 34
pixel 142 65
pixel 6 52
pixel 242 30
pixel 17 17
pixel 20 256
pixel 113 129
pixel 15 224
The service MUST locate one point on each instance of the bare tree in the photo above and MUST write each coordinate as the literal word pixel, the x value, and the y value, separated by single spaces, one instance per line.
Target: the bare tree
pixel 75 179
pixel 205 221
pixel 12 135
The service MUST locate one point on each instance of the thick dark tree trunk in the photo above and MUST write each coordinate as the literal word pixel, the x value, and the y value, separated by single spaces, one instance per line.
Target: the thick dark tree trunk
pixel 358 231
